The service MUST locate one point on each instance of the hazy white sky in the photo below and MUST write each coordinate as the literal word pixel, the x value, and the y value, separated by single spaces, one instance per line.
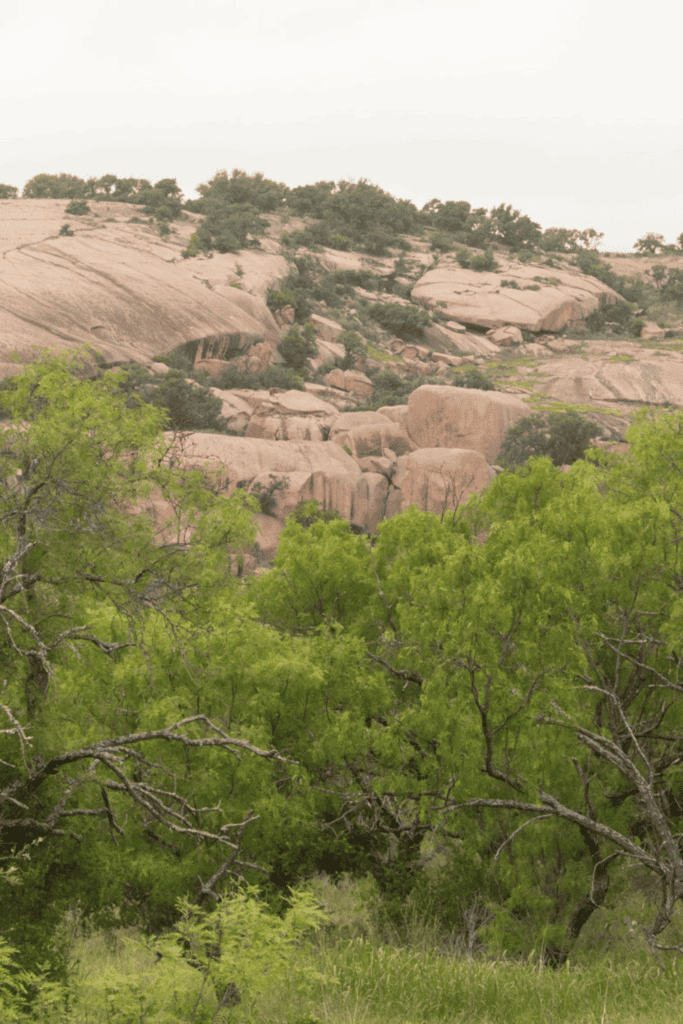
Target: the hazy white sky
pixel 572 112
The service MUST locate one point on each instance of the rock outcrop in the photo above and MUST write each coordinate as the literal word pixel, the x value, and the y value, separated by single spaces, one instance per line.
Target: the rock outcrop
pixel 449 417
pixel 535 302
pixel 122 287
pixel 437 479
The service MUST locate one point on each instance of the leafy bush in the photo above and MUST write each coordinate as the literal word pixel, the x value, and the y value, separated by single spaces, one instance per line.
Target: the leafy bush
pixel 65 230
pixel 340 242
pixel 441 242
pixel 277 299
pixel 390 389
pixel 78 207
pixel 308 512
pixel 354 346
pixel 406 322
pixel 230 378
pixel 228 228
pixel 464 258
pixel 473 378
pixel 189 406
pixel 508 284
pixel 8 191
pixel 620 313
pixel 241 189
pixel 562 436
pixel 484 261
pixel 296 347
pixel 266 495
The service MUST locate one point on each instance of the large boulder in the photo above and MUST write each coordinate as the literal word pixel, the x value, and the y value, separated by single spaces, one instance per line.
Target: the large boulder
pixel 289 472
pixel 350 380
pixel 373 438
pixel 122 287
pixel 474 297
pixel 437 479
pixel 441 416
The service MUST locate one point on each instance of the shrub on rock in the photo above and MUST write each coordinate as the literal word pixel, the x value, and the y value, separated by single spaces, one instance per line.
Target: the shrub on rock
pixel 562 436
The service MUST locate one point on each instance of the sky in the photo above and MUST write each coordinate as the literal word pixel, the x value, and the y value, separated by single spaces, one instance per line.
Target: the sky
pixel 570 112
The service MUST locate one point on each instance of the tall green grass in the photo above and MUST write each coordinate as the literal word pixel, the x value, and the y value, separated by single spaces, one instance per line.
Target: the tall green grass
pixel 374 975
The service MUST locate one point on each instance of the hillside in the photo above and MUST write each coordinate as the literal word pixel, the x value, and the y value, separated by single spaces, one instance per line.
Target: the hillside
pixel 362 418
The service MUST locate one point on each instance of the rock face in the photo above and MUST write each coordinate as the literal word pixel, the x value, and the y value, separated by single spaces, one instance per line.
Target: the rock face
pixel 437 479
pixel 122 286
pixel 292 472
pixel 537 303
pixel 655 380
pixel 448 417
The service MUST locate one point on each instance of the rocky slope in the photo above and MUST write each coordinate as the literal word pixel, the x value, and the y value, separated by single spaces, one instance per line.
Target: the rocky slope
pixel 120 286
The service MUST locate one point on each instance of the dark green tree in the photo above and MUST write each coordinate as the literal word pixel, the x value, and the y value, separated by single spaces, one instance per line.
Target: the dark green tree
pixel 510 228
pixel 406 322
pixel 54 186
pixel 243 189
pixel 562 436
pixel 8 191
pixel 298 345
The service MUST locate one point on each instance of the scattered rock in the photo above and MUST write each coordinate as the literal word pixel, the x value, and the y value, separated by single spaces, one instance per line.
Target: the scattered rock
pixel 652 330
pixel 506 336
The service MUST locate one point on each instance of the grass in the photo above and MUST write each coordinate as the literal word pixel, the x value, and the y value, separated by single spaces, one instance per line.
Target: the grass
pixel 370 976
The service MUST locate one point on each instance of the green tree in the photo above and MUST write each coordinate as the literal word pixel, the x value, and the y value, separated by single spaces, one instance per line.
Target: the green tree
pixel 298 345
pixel 405 321
pixel 188 405
pixel 562 436
pixel 451 216
pixel 92 599
pixel 8 191
pixel 651 242
pixel 243 189
pixel 228 228
pixel 54 186
pixel 493 666
pixel 509 227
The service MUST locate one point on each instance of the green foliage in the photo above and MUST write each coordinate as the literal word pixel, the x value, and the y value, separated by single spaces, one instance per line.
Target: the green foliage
pixel 229 228
pixel 632 289
pixel 65 230
pixel 78 207
pixel 340 242
pixel 188 406
pixel 390 389
pixel 510 228
pixel 54 186
pixel 621 313
pixel 273 377
pixel 472 378
pixel 265 494
pixel 193 248
pixel 562 436
pixel 484 261
pixel 406 322
pixel 297 346
pixel 355 347
pixel 241 189
pixel 464 258
pixel 308 512
pixel 651 243
pixel 508 284
pixel 8 191
pixel 243 949
pixel 277 299
pixel 451 216
pixel 671 290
